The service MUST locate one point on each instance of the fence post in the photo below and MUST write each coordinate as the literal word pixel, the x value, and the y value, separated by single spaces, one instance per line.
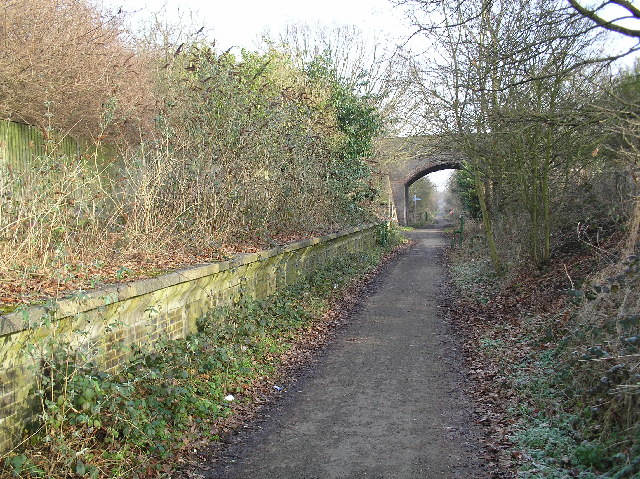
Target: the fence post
pixel 459 232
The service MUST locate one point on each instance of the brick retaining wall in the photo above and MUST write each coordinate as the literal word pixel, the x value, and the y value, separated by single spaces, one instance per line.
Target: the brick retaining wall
pixel 117 318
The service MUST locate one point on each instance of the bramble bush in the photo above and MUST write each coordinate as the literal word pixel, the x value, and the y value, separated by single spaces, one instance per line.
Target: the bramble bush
pixel 219 153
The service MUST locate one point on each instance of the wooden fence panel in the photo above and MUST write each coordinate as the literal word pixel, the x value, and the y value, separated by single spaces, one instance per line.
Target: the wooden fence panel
pixel 20 144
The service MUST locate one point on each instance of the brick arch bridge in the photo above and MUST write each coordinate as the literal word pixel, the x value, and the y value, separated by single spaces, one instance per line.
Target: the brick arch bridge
pixel 409 159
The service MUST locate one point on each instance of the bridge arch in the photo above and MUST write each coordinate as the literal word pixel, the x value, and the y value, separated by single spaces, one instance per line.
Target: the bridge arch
pixel 402 177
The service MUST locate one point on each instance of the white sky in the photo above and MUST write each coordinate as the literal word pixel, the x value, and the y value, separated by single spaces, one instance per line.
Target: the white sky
pixel 242 23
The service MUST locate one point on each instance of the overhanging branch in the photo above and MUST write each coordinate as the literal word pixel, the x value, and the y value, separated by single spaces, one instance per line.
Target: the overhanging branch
pixel 610 24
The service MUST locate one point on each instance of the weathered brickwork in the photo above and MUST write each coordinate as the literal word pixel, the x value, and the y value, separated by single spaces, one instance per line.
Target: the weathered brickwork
pixel 109 323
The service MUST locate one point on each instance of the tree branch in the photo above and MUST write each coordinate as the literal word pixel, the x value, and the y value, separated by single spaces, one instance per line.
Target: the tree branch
pixel 610 24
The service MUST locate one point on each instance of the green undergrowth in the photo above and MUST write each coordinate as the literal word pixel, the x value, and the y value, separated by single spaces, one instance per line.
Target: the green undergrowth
pixel 136 422
pixel 471 270
pixel 569 375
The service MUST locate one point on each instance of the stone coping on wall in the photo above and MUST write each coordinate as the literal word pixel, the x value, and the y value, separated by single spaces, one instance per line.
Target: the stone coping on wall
pixel 20 319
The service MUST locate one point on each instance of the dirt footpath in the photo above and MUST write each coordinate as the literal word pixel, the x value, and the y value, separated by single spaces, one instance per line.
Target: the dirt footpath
pixel 384 400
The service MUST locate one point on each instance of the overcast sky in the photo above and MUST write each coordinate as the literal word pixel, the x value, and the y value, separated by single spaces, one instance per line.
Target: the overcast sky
pixel 242 23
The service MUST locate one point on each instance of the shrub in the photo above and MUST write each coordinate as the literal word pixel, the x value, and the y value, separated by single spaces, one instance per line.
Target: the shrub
pixel 64 64
pixel 244 152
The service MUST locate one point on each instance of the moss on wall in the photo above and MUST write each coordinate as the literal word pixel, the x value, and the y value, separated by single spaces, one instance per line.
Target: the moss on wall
pixel 110 323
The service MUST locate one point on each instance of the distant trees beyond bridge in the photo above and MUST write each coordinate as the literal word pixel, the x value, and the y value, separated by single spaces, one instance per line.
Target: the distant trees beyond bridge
pixel 407 159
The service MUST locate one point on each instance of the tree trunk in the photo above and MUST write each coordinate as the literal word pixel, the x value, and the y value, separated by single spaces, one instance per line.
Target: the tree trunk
pixel 534 212
pixel 634 228
pixel 486 222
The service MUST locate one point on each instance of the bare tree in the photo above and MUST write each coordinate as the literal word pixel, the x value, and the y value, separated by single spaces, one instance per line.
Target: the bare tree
pixel 65 65
pixel 622 107
pixel 616 24
pixel 501 82
pixel 380 73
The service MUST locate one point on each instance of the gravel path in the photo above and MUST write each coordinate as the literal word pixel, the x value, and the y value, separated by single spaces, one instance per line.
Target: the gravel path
pixel 384 400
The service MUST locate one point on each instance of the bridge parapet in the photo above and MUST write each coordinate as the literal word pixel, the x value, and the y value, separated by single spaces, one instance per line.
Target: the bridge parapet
pixel 411 158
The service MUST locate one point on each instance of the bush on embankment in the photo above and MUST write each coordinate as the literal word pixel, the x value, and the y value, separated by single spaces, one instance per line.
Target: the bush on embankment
pixel 65 65
pixel 216 153
pixel 554 355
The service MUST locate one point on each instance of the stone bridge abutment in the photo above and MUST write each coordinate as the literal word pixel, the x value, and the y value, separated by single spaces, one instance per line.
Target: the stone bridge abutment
pixel 413 158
